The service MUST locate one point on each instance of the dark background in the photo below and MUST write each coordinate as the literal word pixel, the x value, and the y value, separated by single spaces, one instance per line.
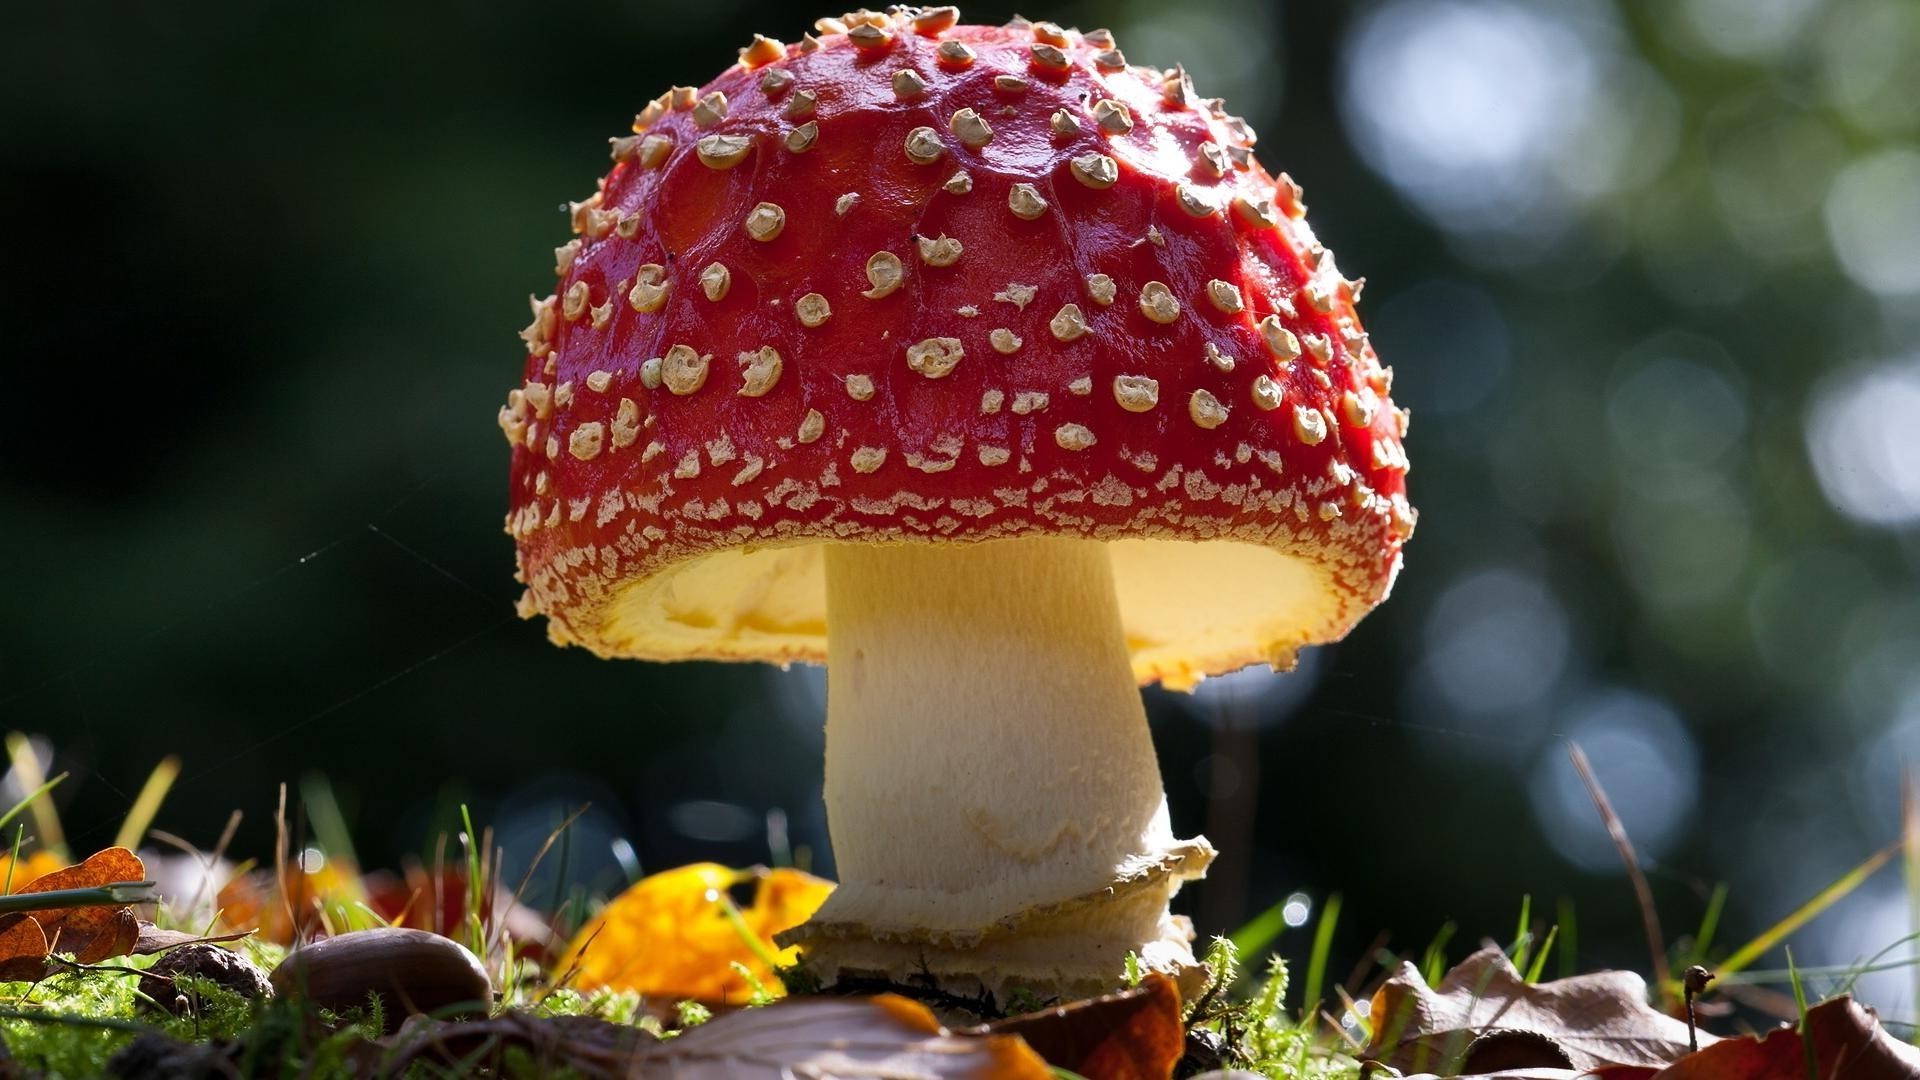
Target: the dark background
pixel 1649 276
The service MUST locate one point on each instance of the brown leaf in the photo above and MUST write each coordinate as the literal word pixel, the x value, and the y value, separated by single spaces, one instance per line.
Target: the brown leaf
pixel 1598 1019
pixel 1847 1041
pixel 91 934
pixel 1608 1073
pixel 883 1036
pixel 1133 1034
pixel 23 948
pixel 152 939
pixel 101 868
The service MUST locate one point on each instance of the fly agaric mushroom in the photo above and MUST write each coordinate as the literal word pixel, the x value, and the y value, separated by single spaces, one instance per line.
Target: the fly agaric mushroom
pixel 995 373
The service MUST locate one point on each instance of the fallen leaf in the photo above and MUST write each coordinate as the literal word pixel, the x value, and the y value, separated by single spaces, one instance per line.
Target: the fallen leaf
pixel 1608 1073
pixel 152 939
pixel 883 1036
pixel 1847 1041
pixel 1597 1019
pixel 23 949
pixel 1133 1034
pixel 670 934
pixel 91 934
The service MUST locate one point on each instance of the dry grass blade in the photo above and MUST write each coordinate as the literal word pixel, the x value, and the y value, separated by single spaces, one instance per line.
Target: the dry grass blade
pixel 1910 840
pixel 1803 914
pixel 27 771
pixel 1643 894
pixel 280 864
pixel 527 878
pixel 147 803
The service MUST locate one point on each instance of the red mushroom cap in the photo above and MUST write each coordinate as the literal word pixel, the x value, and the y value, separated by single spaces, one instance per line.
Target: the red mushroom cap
pixel 917 282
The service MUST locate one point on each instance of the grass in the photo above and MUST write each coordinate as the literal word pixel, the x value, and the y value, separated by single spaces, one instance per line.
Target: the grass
pixel 70 1023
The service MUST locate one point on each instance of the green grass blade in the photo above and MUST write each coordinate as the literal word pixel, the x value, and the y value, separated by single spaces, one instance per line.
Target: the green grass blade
pixel 13 859
pixel 113 894
pixel 1806 912
pixel 373 918
pixel 1522 938
pixel 1259 932
pixel 329 825
pixel 1806 1035
pixel 1433 962
pixel 1317 960
pixel 15 810
pixel 1847 974
pixel 1540 958
pixel 731 912
pixel 1709 924
pixel 147 804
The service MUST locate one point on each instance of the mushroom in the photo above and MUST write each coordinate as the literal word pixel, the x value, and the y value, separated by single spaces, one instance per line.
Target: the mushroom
pixel 991 530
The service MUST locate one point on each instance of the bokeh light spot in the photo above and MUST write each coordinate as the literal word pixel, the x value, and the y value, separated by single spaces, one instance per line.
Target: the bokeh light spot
pixel 1670 406
pixel 1297 909
pixel 1863 434
pixel 1683 542
pixel 1461 105
pixel 1866 50
pixel 1873 219
pixel 1746 29
pixel 1496 642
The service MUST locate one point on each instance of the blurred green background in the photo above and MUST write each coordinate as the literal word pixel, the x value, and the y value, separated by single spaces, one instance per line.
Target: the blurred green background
pixel 1649 275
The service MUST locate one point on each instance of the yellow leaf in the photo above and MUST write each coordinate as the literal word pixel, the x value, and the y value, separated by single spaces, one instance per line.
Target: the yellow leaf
pixel 670 935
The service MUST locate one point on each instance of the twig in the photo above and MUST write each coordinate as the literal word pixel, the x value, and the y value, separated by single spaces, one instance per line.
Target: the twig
pixel 1656 942
pixel 1696 980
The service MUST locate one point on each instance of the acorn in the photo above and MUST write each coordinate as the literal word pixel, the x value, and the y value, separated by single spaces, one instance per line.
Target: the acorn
pixel 412 971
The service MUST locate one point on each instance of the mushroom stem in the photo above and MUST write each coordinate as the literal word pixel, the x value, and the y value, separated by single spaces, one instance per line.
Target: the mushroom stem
pixel 991 786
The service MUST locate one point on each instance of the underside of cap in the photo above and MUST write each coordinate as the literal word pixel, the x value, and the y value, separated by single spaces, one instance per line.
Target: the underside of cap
pixel 1190 609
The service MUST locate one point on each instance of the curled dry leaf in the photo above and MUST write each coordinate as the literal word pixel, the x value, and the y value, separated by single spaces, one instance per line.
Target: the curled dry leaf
pixel 23 948
pixel 1596 1020
pixel 670 934
pixel 90 934
pixel 1136 1033
pixel 152 939
pixel 882 1036
pixel 1847 1041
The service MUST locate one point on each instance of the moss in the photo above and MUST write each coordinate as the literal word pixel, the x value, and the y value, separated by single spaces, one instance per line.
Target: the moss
pixel 70 1024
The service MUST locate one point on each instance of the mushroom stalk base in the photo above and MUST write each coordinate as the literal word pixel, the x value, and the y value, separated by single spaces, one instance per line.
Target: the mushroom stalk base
pixel 991 786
